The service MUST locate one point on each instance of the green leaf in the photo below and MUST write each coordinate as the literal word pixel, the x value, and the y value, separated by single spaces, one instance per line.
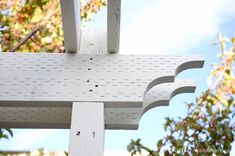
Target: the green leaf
pixel 9 131
pixel 159 144
pixel 5 136
pixel 168 123
pixel 233 40
pixel 1 17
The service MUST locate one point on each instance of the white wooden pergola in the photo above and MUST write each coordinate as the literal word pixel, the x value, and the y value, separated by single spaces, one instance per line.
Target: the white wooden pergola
pixel 89 88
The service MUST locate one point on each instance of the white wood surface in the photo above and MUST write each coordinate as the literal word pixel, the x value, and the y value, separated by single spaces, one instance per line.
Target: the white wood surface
pixel 45 80
pixel 115 118
pixel 113 32
pixel 93 41
pixel 119 81
pixel 87 129
pixel 71 24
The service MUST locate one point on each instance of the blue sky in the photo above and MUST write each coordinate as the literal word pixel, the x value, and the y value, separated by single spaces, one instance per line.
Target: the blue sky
pixel 152 27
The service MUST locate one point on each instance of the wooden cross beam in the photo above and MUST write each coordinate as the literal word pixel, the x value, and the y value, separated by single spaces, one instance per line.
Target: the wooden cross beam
pixel 61 80
pixel 115 118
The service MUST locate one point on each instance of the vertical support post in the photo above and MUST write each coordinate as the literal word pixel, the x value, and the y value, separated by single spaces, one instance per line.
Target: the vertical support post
pixel 87 129
pixel 113 34
pixel 71 24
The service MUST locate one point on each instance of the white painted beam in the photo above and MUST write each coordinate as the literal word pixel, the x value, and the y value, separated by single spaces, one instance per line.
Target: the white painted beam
pixel 93 41
pixel 87 129
pixel 115 118
pixel 38 89
pixel 71 24
pixel 119 81
pixel 113 34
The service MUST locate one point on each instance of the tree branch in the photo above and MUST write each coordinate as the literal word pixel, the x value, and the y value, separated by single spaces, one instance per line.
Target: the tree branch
pixel 24 40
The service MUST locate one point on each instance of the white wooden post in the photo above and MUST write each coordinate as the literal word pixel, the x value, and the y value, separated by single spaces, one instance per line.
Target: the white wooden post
pixel 113 34
pixel 87 129
pixel 71 24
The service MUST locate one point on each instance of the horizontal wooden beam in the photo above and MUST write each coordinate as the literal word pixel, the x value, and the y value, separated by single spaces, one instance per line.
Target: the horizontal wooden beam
pixel 44 78
pixel 115 118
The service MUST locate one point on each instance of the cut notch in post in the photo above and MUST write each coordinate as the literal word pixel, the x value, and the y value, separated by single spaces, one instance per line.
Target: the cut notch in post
pixel 113 30
pixel 71 24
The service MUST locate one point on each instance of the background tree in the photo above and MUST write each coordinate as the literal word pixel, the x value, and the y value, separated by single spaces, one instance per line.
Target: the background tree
pixel 208 129
pixel 5 134
pixel 36 25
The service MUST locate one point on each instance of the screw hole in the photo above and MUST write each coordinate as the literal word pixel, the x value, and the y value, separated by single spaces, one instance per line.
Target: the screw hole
pixel 96 85
pixel 91 58
pixel 87 81
pixel 90 90
pixel 89 68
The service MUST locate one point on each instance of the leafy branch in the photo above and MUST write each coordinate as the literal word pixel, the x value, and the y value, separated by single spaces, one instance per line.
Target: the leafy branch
pixel 209 127
pixel 36 26
pixel 5 133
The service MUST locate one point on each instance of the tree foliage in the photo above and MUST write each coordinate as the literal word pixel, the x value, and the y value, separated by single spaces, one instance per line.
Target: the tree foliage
pixel 5 133
pixel 209 127
pixel 36 25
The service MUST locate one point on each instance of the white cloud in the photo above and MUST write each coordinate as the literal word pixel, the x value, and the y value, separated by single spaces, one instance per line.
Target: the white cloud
pixel 170 26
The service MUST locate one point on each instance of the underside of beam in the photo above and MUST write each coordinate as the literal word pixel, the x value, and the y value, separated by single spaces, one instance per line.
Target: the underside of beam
pixel 115 118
